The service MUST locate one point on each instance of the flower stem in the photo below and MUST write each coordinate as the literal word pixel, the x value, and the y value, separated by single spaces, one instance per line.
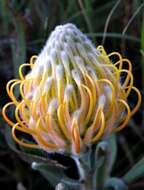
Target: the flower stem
pixel 85 175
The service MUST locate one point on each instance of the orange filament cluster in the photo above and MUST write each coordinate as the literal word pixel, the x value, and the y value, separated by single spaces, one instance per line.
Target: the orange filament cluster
pixel 73 96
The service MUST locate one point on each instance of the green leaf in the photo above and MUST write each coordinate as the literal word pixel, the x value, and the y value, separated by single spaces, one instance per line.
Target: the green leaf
pixel 5 14
pixel 142 50
pixel 9 139
pixel 115 35
pixel 102 164
pixel 27 154
pixel 19 47
pixel 115 184
pixel 53 174
pixel 50 169
pixel 61 186
pixel 135 172
pixel 113 147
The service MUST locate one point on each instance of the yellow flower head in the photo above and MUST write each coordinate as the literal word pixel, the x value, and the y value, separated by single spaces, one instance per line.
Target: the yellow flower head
pixel 73 96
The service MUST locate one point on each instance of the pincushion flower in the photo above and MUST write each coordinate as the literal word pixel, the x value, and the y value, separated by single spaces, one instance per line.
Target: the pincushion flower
pixel 73 96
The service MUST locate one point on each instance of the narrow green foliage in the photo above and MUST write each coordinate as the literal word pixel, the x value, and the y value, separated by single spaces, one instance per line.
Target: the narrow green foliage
pixel 113 147
pixel 132 18
pixel 102 164
pixel 116 36
pixel 127 150
pixel 60 186
pixel 142 47
pixel 53 174
pixel 5 14
pixel 135 172
pixel 19 46
pixel 115 184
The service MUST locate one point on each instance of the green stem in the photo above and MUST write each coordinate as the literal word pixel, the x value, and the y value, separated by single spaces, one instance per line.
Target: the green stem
pixel 84 173
pixel 102 165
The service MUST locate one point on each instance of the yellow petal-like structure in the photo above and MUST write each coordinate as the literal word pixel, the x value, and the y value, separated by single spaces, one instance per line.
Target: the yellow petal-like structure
pixel 73 96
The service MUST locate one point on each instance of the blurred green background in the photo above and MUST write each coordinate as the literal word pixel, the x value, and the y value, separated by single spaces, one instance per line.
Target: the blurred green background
pixel 25 26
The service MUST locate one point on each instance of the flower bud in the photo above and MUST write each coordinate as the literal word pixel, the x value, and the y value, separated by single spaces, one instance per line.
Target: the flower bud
pixel 73 96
